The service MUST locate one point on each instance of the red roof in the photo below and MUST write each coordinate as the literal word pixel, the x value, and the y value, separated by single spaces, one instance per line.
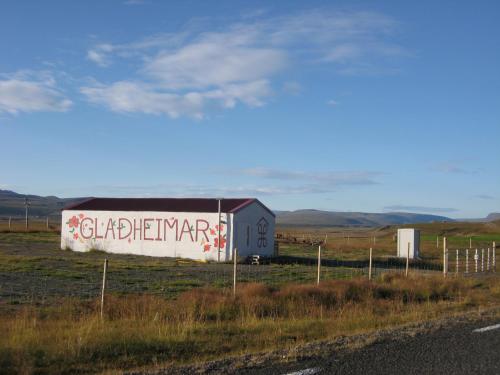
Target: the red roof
pixel 229 205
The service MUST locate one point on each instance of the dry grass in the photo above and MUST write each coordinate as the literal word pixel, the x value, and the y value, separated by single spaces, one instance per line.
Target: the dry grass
pixel 206 323
pixel 34 225
pixel 353 243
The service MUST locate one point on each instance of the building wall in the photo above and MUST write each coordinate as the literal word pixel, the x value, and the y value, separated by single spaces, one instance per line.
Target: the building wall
pixel 249 239
pixel 170 234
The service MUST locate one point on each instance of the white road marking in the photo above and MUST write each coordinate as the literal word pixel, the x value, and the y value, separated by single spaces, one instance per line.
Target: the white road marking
pixel 307 371
pixel 489 328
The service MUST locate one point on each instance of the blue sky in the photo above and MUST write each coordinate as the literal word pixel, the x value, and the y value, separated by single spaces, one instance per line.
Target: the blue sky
pixel 348 105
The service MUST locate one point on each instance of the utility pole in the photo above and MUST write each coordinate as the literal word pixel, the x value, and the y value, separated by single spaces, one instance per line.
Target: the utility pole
pixel 27 203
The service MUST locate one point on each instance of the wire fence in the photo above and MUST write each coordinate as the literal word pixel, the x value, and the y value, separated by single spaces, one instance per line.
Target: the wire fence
pixel 42 223
pixel 470 262
pixel 40 281
pixel 32 271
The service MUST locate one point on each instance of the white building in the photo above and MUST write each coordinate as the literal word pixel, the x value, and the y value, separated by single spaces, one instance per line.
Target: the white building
pixel 408 236
pixel 191 228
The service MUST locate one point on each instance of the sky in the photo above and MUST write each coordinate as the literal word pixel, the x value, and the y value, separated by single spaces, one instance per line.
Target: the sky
pixel 333 105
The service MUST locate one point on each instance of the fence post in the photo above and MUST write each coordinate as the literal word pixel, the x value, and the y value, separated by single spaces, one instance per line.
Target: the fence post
pixel 10 223
pixel 494 256
pixel 482 260
pixel 476 258
pixel 319 263
pixel 103 286
pixel 445 266
pixel 470 242
pixel 47 222
pixel 466 261
pixel 437 242
pixel 456 266
pixel 488 260
pixel 370 266
pixel 407 259
pixel 235 255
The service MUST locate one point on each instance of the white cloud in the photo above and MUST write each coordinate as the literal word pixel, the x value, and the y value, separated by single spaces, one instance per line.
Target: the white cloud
pixel 23 92
pixel 484 196
pixel 130 97
pixel 125 96
pixel 332 103
pixel 329 177
pixel 98 57
pixel 210 64
pixel 343 53
pixel 194 190
pixel 239 62
pixel 453 167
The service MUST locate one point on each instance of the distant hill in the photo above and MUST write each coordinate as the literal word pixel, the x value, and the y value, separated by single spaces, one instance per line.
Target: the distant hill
pixel 493 216
pixel 12 204
pixel 329 218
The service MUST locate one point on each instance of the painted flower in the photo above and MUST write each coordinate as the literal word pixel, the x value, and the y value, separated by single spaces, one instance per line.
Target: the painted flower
pixel 222 242
pixel 212 232
pixel 75 236
pixel 221 227
pixel 73 222
pixel 206 247
pixel 81 216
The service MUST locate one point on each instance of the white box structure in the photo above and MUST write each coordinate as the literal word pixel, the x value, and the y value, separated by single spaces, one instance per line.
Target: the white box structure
pixel 193 228
pixel 408 236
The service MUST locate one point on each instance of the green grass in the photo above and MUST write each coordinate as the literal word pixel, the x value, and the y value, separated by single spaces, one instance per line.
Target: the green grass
pixel 483 240
pixel 30 237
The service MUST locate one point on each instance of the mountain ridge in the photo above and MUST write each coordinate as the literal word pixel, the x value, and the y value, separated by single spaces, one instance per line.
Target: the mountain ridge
pixel 12 204
pixel 312 217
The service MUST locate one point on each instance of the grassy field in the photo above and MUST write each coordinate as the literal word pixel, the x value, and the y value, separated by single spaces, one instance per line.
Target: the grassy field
pixel 33 268
pixel 206 323
pixel 354 243
pixel 164 310
pixel 18 224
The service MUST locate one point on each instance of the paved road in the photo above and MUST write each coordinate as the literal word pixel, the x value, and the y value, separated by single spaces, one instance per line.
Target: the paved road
pixel 458 349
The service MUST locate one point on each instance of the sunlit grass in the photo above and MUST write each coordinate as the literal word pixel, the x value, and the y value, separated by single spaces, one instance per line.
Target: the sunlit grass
pixel 204 323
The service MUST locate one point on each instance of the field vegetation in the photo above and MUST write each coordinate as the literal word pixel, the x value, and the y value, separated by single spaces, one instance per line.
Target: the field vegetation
pixel 161 311
pixel 354 243
pixel 207 323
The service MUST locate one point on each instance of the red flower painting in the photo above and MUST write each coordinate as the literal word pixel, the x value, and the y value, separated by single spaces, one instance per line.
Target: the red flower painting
pixel 75 236
pixel 73 222
pixel 214 240
pixel 222 242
